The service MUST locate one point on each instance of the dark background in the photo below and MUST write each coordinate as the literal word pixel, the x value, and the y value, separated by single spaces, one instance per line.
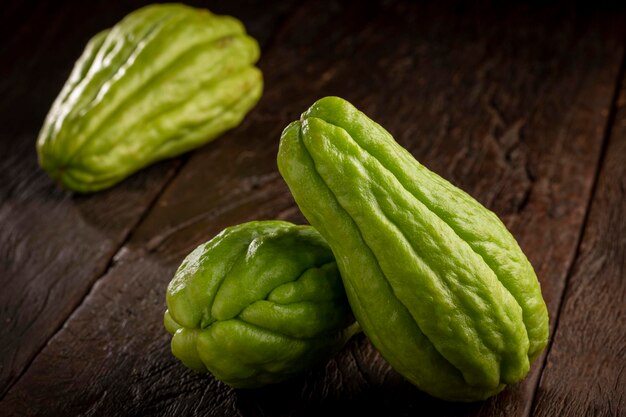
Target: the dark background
pixel 523 106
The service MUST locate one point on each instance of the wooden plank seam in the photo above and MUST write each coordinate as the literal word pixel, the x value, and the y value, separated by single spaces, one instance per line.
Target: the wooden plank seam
pixel 621 77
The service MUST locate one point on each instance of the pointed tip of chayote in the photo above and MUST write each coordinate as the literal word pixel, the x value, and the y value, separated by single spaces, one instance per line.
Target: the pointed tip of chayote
pixel 325 106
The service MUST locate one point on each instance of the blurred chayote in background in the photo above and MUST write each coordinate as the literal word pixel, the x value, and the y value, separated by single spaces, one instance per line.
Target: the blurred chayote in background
pixel 166 79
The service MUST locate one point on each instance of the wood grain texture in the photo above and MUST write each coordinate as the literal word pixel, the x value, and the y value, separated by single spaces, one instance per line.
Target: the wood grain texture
pixel 585 373
pixel 54 244
pixel 508 103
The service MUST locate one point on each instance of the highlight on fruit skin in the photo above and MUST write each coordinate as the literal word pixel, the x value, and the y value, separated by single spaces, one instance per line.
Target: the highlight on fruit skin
pixel 257 304
pixel 436 281
pixel 166 79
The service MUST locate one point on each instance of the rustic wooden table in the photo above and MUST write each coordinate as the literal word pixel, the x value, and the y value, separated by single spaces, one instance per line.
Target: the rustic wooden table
pixel 523 107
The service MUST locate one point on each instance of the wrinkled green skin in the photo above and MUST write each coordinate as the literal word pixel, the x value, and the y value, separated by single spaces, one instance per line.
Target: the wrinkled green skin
pixel 166 79
pixel 435 280
pixel 260 302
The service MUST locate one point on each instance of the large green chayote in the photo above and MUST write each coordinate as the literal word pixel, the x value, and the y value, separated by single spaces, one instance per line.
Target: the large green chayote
pixel 257 304
pixel 166 79
pixel 435 280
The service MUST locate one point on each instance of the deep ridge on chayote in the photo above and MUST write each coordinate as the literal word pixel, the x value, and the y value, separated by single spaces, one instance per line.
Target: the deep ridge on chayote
pixel 258 303
pixel 435 279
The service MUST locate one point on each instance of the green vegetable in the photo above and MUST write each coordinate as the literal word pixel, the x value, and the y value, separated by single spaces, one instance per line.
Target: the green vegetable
pixel 435 280
pixel 166 79
pixel 257 304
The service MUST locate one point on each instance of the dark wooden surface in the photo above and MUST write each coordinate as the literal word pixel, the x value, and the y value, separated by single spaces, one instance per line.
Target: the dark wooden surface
pixel 518 105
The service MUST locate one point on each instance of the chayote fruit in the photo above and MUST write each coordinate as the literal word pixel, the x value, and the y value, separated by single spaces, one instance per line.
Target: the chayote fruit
pixel 435 280
pixel 257 304
pixel 166 79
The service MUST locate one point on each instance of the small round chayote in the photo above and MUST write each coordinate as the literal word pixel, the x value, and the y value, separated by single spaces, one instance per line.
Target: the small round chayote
pixel 436 281
pixel 166 79
pixel 258 303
